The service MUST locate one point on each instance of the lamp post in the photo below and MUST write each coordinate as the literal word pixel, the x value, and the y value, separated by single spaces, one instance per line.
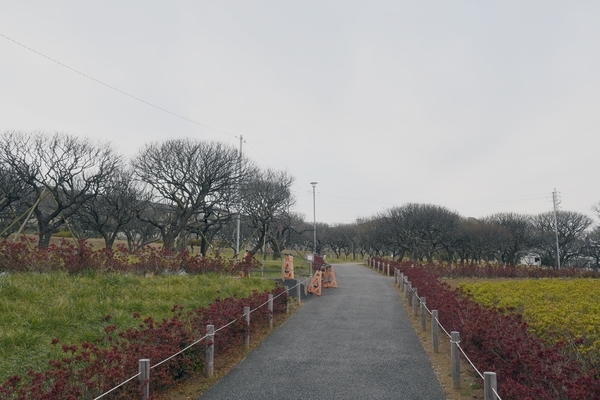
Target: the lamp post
pixel 314 185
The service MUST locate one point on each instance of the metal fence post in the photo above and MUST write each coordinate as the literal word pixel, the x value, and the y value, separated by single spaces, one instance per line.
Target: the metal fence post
pixel 298 292
pixel 210 350
pixel 415 302
pixel 144 369
pixel 423 314
pixel 287 296
pixel 270 307
pixel 435 339
pixel 489 385
pixel 455 359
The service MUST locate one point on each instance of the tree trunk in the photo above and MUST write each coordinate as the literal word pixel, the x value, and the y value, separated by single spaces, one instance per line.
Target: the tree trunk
pixel 276 249
pixel 203 246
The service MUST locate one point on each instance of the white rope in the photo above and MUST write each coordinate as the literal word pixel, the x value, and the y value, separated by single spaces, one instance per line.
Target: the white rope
pixel 468 359
pixel 428 310
pixel 457 342
pixel 179 352
pixel 496 393
pixel 266 302
pixel 118 386
pixel 230 323
pixel 191 345
pixel 442 326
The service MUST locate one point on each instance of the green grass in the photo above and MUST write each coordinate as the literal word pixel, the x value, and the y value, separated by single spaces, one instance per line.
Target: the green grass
pixel 34 308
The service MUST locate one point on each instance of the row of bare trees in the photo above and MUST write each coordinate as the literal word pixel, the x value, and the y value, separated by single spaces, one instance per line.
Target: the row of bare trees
pixel 178 191
pixel 427 232
pixel 185 191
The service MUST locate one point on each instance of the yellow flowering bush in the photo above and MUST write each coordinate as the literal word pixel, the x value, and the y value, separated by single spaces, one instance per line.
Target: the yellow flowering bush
pixel 554 309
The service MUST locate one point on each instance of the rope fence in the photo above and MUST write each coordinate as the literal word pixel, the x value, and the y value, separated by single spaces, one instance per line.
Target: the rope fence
pixel 144 367
pixel 411 294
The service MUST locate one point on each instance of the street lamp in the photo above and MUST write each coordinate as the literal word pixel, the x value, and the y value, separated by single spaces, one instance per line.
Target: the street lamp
pixel 314 185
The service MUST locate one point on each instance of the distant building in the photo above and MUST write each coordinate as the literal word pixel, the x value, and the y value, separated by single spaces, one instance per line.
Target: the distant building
pixel 531 259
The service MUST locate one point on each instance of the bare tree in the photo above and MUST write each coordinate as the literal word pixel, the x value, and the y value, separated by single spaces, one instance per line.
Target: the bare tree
pixel 62 171
pixel 420 230
pixel 113 208
pixel 571 231
pixel 371 237
pixel 344 239
pixel 12 193
pixel 592 247
pixel 189 178
pixel 266 199
pixel 520 228
pixel 486 241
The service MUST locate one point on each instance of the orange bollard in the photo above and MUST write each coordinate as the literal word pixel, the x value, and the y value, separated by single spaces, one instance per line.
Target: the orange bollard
pixel 288 267
pixel 329 278
pixel 315 283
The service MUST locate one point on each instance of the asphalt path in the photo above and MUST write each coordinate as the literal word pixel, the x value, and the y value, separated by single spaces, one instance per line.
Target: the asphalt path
pixel 353 342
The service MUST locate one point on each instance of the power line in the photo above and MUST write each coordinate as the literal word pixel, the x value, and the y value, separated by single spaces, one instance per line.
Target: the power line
pixel 116 89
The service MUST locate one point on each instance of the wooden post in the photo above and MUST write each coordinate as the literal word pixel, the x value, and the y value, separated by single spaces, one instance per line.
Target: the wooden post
pixel 409 293
pixel 402 281
pixel 423 314
pixel 435 339
pixel 270 307
pixel 247 319
pixel 287 296
pixel 455 359
pixel 144 368
pixel 415 302
pixel 388 269
pixel 489 385
pixel 210 351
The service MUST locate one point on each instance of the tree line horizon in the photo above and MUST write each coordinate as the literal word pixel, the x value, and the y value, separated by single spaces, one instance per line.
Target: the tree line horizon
pixel 188 192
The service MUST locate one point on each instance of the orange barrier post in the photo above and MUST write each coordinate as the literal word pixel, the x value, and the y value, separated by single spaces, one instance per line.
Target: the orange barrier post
pixel 288 267
pixel 329 278
pixel 315 283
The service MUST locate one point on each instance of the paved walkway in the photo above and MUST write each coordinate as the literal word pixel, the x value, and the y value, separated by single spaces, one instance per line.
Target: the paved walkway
pixel 353 342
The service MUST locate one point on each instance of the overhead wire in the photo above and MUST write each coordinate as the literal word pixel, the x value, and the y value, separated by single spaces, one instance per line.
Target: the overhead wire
pixel 115 88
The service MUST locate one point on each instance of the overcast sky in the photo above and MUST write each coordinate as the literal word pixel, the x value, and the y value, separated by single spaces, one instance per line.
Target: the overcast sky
pixel 481 107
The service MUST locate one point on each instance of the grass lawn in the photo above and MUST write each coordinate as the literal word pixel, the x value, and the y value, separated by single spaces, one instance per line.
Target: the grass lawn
pixel 34 308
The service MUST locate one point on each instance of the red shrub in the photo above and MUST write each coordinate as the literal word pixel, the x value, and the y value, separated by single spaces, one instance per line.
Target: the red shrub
pixel 94 368
pixel 526 366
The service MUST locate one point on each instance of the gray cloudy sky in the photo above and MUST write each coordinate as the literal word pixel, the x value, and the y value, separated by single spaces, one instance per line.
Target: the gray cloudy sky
pixel 481 107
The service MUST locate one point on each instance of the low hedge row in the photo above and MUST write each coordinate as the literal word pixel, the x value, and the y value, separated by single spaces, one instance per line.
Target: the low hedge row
pixel 527 367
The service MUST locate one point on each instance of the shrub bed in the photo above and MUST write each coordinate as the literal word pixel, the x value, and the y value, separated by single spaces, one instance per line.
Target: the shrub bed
pixel 527 367
pixel 92 368
pixel 18 257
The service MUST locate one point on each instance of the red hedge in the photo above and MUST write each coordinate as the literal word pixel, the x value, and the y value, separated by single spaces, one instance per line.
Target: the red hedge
pixel 526 366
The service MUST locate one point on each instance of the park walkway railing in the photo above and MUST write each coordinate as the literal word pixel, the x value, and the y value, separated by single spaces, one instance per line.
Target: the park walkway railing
pixel 144 369
pixel 419 306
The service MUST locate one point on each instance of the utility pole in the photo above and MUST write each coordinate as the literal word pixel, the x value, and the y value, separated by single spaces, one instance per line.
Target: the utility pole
pixel 314 185
pixel 239 214
pixel 556 203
